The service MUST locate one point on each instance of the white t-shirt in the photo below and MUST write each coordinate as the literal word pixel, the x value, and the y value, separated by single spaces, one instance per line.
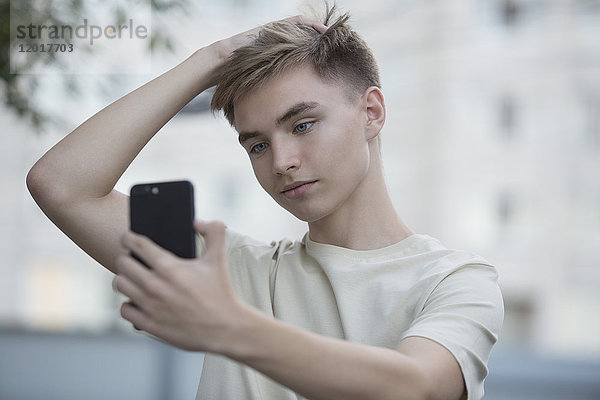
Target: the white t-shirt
pixel 415 287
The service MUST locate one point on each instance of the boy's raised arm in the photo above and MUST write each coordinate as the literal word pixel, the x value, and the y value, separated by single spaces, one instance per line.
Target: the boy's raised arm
pixel 73 183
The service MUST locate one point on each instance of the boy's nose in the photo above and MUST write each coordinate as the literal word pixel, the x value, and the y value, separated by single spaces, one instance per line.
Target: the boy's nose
pixel 285 156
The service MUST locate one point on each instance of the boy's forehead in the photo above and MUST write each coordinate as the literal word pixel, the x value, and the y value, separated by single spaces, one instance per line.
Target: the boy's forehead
pixel 279 95
pixel 273 99
pixel 289 82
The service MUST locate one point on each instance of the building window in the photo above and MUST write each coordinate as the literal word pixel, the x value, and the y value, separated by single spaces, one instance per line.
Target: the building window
pixel 591 120
pixel 519 314
pixel 505 208
pixel 228 193
pixel 514 13
pixel 509 11
pixel 588 7
pixel 507 116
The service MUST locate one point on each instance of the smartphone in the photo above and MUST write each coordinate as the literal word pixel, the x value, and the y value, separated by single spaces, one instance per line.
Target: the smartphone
pixel 164 212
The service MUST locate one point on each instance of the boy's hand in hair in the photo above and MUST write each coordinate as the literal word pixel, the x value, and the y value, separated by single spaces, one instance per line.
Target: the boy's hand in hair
pixel 226 46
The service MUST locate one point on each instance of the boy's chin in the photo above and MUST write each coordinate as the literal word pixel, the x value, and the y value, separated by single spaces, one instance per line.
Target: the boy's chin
pixel 309 211
pixel 307 216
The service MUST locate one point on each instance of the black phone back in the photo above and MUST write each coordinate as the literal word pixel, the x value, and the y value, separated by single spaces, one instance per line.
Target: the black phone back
pixel 164 211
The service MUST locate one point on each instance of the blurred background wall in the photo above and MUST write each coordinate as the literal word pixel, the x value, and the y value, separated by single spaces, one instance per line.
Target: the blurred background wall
pixel 492 143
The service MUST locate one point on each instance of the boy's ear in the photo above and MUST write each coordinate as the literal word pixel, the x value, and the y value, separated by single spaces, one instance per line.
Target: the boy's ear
pixel 374 107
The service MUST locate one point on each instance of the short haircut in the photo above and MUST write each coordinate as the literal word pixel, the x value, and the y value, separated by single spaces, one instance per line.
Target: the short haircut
pixel 339 56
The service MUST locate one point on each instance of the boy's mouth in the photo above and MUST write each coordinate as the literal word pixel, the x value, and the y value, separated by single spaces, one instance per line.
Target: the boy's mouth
pixel 296 189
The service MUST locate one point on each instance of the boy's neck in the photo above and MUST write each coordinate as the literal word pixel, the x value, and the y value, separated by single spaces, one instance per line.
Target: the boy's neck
pixel 367 221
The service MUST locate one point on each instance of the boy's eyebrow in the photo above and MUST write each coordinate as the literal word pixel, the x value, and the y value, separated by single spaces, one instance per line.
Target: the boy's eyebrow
pixel 245 136
pixel 294 110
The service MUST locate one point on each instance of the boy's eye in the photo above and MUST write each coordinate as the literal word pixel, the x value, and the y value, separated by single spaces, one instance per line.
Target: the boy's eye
pixel 303 127
pixel 258 148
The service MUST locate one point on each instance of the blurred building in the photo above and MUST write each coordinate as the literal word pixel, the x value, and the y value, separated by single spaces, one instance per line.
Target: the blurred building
pixel 492 143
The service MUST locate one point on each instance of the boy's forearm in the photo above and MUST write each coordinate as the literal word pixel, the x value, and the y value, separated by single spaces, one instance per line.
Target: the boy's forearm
pixel 319 367
pixel 90 160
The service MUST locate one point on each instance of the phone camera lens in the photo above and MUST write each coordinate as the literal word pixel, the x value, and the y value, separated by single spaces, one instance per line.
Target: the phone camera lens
pixel 155 190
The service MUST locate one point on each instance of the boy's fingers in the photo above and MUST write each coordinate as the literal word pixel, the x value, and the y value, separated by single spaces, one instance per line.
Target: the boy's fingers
pixel 134 272
pixel 145 249
pixel 214 237
pixel 302 20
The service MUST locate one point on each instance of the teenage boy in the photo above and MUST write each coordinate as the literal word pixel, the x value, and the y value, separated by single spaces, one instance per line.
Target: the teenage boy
pixel 360 307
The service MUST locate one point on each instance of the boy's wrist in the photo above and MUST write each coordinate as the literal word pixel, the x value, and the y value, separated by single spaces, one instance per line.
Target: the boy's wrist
pixel 220 51
pixel 208 61
pixel 237 343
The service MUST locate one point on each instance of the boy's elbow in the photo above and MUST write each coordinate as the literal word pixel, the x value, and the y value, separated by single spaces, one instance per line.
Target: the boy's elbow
pixel 419 384
pixel 412 384
pixel 34 181
pixel 40 186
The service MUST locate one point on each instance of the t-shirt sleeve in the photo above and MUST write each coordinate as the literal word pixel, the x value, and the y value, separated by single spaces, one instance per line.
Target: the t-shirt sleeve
pixel 464 313
pixel 233 241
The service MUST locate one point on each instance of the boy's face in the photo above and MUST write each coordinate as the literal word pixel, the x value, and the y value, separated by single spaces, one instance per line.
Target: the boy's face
pixel 307 143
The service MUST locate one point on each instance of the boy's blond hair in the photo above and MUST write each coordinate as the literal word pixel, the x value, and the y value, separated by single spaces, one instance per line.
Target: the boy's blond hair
pixel 339 56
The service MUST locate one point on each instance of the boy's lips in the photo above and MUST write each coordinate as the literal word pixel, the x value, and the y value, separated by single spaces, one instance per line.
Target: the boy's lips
pixel 296 189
